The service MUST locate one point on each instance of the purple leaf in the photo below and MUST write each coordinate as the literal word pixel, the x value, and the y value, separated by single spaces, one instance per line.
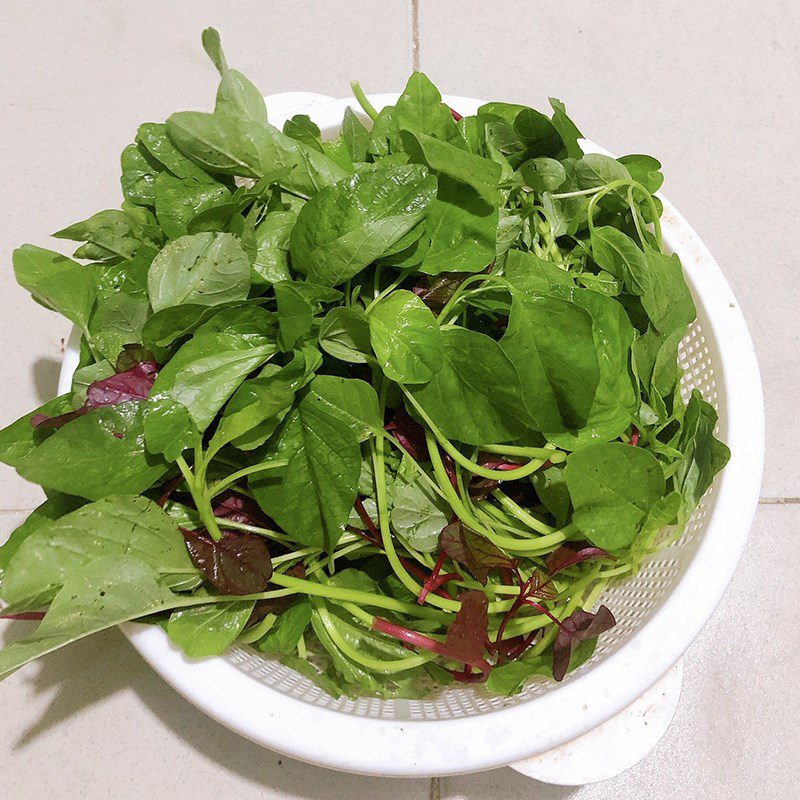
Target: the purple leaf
pixel 465 640
pixel 475 552
pixel 238 508
pixel 238 563
pixel 435 292
pixel 481 488
pixel 133 384
pixel 566 557
pixel 410 434
pixel 578 627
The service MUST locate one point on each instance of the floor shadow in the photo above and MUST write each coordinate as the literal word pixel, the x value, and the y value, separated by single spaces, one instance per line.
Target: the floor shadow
pixel 64 675
pixel 93 669
pixel 45 372
pixel 284 775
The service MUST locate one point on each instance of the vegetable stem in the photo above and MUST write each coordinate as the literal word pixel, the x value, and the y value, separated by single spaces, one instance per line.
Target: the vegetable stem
pixel 358 93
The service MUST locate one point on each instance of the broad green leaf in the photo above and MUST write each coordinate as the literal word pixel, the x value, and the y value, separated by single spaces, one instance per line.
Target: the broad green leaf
pixel 272 248
pixel 566 128
pixel 173 323
pixel 418 515
pixel 552 491
pixel 179 200
pixel 344 334
pixel 204 631
pixel 550 341
pixel 667 299
pixel 533 275
pixel 236 94
pixel 595 169
pixel 99 454
pixel 663 512
pixel 295 314
pixel 169 428
pixel 260 404
pixel 602 282
pixel 703 454
pixel 312 496
pixel 113 231
pixel 405 337
pixel 615 401
pixel 122 305
pixel 233 145
pixel 57 282
pixel 462 221
pixel 19 439
pixel 656 277
pixel 543 174
pixel 139 173
pixel 103 593
pixel 123 525
pixel 351 400
pixel 420 109
pixel 40 518
pixel 445 160
pixel 475 397
pixel 355 135
pixel 612 487
pixel 622 257
pixel 204 268
pixel 156 140
pixel 223 143
pixel 645 170
pixel 303 129
pixel 206 370
pixel 284 635
pixel 347 226
pixel 538 134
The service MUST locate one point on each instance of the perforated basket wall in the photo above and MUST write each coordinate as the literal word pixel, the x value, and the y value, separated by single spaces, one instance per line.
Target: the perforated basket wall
pixel 632 600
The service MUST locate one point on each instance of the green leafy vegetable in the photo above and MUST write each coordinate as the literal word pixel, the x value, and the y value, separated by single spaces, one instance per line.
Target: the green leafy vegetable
pixel 393 406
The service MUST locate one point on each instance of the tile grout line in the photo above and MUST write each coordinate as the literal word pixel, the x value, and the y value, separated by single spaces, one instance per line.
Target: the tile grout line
pixel 415 35
pixel 435 792
pixel 779 501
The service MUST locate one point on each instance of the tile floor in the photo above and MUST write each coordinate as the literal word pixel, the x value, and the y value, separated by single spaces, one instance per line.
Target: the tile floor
pixel 709 89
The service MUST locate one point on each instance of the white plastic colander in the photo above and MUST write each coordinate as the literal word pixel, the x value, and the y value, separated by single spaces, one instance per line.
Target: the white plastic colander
pixel 659 611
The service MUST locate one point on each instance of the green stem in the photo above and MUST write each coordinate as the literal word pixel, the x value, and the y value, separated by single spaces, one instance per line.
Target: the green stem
pixel 525 517
pixel 380 295
pixel 266 532
pixel 358 93
pixel 525 547
pixel 383 523
pixel 458 294
pixel 225 483
pixel 258 630
pixel 476 469
pixel 198 490
pixel 375 664
pixel 314 589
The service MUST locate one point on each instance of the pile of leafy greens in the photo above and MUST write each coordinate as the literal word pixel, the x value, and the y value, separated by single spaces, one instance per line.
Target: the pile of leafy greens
pixel 393 407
